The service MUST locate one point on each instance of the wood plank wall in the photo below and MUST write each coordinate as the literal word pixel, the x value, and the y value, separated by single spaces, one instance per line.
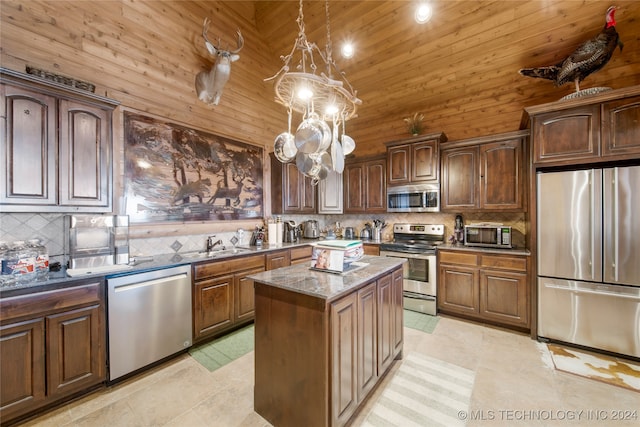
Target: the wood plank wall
pixel 146 54
pixel 461 73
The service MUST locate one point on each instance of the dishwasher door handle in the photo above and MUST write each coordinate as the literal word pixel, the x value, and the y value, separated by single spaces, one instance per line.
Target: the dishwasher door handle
pixel 132 286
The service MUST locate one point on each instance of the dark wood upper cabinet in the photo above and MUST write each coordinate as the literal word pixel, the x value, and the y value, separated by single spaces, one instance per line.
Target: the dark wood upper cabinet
pixel 591 129
pixel 459 178
pixel 484 174
pixel 291 191
pixel 571 135
pixel 29 147
pixel 365 189
pixel 502 183
pixel 415 160
pixel 84 155
pixel 56 147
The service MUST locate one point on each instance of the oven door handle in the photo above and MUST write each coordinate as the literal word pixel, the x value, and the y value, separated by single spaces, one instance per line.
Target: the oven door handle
pixel 415 295
pixel 405 255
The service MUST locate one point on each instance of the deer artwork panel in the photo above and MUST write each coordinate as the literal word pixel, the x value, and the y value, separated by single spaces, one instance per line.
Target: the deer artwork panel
pixel 209 84
pixel 174 173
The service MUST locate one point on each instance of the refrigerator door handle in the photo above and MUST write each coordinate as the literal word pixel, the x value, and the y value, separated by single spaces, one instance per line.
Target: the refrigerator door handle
pixel 596 224
pixel 580 290
pixel 611 225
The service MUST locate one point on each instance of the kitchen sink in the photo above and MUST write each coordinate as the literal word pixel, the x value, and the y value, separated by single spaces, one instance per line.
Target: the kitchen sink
pixel 215 253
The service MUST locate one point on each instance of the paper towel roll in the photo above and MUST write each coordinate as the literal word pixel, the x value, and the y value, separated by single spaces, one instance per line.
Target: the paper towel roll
pixel 272 231
pixel 279 231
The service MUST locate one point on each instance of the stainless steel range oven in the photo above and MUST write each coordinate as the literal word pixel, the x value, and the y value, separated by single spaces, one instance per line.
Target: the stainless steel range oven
pixel 416 243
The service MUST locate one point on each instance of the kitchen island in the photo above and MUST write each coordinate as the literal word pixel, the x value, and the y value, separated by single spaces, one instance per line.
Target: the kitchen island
pixel 323 341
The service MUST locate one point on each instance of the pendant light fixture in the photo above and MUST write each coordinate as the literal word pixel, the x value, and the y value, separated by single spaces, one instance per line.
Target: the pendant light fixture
pixel 310 83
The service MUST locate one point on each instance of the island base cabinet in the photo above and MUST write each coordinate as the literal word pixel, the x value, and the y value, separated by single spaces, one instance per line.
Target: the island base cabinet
pixel 291 358
pixel 344 361
pixel 317 361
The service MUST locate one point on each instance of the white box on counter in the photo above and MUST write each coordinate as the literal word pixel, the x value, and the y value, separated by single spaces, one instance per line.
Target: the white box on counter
pixel 335 255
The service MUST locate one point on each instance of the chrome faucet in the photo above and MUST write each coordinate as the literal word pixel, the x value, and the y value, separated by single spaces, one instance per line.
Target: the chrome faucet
pixel 211 244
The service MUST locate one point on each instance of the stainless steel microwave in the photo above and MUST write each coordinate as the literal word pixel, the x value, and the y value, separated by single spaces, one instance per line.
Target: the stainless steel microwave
pixel 414 198
pixel 487 235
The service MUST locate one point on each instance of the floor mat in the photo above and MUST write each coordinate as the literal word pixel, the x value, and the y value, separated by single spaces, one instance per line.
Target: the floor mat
pixel 423 392
pixel 219 352
pixel 420 321
pixel 608 369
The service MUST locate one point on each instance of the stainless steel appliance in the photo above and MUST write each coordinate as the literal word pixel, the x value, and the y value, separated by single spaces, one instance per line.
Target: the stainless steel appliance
pixel 349 233
pixel 96 240
pixel 488 235
pixel 589 258
pixel 291 232
pixel 149 317
pixel 311 229
pixel 417 244
pixel 414 198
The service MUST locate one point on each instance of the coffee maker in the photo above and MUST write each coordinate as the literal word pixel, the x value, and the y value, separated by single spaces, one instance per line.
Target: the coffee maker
pixel 291 232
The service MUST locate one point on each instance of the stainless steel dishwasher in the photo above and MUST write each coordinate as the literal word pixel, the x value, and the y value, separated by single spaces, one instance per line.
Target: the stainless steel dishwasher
pixel 149 317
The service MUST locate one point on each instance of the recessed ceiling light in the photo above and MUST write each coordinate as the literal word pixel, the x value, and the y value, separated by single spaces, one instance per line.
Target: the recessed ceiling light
pixel 347 50
pixel 423 13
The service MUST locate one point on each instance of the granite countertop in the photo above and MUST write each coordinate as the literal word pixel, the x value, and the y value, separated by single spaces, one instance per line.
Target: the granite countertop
pixel 512 251
pixel 140 264
pixel 329 286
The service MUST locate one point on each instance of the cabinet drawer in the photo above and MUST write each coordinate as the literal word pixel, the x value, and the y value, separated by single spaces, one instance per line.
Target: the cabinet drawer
pixel 49 301
pixel 458 258
pixel 371 249
pixel 221 267
pixel 505 262
pixel 302 252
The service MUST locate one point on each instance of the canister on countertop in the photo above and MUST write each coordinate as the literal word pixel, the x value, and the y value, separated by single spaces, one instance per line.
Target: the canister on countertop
pixel 349 233
pixel 279 230
pixel 272 233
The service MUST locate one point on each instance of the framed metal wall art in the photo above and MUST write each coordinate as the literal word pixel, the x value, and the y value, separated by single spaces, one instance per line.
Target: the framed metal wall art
pixel 174 173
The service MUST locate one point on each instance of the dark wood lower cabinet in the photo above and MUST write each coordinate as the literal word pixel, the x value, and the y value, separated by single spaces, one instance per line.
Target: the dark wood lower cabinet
pixel 22 361
pixel 317 361
pixel 244 295
pixel 75 359
pixel 213 306
pixel 277 259
pixel 52 346
pixel 300 255
pixel 344 361
pixel 223 296
pixel 489 287
pixel 368 344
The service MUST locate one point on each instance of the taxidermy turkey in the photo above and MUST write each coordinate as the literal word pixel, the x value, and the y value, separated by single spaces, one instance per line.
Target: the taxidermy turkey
pixel 588 58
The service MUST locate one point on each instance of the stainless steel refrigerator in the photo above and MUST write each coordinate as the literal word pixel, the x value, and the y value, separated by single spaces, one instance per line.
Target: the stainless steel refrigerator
pixel 588 240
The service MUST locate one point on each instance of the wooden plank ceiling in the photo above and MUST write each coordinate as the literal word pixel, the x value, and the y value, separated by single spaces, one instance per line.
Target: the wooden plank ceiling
pixel 461 68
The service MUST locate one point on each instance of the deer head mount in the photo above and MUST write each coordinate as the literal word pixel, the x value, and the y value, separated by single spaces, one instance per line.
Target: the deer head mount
pixel 209 84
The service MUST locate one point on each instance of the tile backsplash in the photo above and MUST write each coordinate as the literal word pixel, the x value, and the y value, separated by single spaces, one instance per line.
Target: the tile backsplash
pixel 49 228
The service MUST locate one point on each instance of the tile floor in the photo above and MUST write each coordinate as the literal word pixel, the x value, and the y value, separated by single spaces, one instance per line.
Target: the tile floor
pixel 515 385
